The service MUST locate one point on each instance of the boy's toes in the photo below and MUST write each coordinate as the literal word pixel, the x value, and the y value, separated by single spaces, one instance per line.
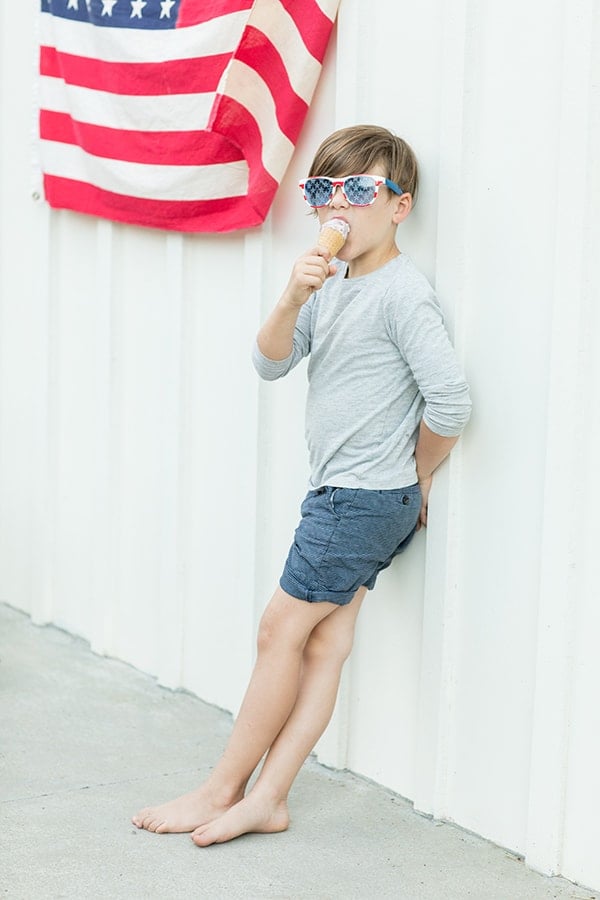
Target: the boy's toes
pixel 198 835
pixel 153 823
pixel 147 819
pixel 139 818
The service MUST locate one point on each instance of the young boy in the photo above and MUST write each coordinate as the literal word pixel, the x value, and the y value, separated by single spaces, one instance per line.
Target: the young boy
pixel 386 403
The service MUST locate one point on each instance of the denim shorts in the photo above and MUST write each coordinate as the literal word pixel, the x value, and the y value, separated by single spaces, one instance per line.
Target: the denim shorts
pixel 346 536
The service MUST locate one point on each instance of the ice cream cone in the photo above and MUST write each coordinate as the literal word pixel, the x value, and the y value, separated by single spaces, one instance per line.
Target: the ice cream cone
pixel 333 235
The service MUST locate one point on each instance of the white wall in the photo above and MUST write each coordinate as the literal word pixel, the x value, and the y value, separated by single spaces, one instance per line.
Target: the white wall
pixel 149 484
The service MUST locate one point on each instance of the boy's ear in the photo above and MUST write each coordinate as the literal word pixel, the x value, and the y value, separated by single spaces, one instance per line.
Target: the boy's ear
pixel 402 207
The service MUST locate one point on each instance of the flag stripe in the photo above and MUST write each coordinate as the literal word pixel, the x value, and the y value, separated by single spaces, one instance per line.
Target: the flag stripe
pixel 224 214
pixel 268 144
pixel 218 36
pixel 170 113
pixel 180 76
pixel 275 23
pixel 171 148
pixel 161 182
pixel 328 8
pixel 193 12
pixel 312 24
pixel 237 123
pixel 257 52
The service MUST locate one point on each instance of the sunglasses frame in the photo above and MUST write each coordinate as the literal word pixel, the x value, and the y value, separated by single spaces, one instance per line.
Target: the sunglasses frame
pixel 341 182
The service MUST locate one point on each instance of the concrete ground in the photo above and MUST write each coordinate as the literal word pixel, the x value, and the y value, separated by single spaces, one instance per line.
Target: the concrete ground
pixel 85 741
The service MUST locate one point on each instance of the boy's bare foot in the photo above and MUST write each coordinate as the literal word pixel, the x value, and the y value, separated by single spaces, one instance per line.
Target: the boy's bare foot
pixel 252 814
pixel 187 812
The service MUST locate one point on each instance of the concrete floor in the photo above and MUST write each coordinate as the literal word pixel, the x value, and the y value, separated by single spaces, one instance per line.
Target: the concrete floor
pixel 85 741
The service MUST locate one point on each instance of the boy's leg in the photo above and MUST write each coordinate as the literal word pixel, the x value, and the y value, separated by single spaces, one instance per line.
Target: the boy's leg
pixel 285 627
pixel 264 809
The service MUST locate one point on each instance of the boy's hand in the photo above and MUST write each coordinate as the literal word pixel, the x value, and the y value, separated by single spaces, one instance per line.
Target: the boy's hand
pixel 308 275
pixel 425 485
pixel 276 337
pixel 430 451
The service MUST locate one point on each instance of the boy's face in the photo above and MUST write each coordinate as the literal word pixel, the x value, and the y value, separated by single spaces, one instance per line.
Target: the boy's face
pixel 372 238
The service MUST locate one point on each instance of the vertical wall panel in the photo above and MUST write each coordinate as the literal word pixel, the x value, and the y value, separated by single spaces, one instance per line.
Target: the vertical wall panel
pixel 560 576
pixel 579 859
pixel 219 594
pixel 150 483
pixel 441 597
pixel 170 481
pixel 23 257
pixel 72 424
pixel 104 534
pixel 141 316
pixel 507 333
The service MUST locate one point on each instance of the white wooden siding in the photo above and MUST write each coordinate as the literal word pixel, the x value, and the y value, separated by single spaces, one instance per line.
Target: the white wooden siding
pixel 149 484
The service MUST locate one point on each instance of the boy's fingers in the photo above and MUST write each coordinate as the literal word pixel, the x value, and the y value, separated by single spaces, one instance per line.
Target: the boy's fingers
pixel 321 251
pixel 422 520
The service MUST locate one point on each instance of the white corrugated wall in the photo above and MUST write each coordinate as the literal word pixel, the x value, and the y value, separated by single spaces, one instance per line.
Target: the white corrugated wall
pixel 149 484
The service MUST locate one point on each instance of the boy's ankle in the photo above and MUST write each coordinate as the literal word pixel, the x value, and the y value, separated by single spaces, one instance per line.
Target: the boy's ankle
pixel 226 791
pixel 269 794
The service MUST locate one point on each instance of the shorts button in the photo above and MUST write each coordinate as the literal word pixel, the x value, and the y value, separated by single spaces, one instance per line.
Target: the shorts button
pixel 406 500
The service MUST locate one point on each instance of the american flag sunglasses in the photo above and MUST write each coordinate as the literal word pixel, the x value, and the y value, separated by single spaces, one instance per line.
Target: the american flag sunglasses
pixel 359 190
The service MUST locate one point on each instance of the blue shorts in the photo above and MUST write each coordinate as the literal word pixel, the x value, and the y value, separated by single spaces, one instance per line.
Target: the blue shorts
pixel 345 538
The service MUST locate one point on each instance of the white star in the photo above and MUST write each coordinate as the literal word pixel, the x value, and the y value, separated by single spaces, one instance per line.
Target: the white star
pixel 136 8
pixel 107 7
pixel 165 8
pixel 72 4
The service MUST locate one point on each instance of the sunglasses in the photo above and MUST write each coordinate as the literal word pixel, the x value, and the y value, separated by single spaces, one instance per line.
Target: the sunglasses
pixel 359 190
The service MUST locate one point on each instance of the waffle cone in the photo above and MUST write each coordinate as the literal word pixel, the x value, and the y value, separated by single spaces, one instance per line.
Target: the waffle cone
pixel 331 239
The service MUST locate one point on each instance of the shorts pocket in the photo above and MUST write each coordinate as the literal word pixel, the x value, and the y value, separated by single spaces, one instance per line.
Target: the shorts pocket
pixel 341 500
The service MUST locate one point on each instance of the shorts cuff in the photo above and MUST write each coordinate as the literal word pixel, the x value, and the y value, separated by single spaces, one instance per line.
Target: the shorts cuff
pixel 292 586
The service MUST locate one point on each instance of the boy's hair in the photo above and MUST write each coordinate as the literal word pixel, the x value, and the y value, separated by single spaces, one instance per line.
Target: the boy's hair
pixel 356 149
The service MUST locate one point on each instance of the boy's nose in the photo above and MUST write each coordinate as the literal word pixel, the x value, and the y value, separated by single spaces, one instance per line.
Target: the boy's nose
pixel 337 195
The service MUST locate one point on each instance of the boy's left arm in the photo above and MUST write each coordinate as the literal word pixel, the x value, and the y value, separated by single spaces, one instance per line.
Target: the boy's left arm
pixel 431 450
pixel 416 323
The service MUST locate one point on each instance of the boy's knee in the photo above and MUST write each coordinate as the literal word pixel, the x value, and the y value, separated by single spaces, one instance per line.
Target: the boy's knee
pixel 275 631
pixel 267 631
pixel 329 645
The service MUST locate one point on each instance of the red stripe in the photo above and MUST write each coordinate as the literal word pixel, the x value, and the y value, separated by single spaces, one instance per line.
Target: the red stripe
pixel 166 148
pixel 178 76
pixel 232 120
pixel 193 12
pixel 257 51
pixel 229 214
pixel 313 25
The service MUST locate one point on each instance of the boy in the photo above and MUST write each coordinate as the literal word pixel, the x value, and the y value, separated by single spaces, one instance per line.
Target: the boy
pixel 386 403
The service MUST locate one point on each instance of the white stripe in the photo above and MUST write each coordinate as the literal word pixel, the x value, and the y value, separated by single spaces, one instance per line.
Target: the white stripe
pixel 248 89
pixel 174 112
pixel 276 23
pixel 145 181
pixel 328 7
pixel 221 35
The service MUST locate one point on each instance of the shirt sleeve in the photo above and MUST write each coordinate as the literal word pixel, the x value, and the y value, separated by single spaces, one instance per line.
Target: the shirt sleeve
pixel 417 327
pixel 272 369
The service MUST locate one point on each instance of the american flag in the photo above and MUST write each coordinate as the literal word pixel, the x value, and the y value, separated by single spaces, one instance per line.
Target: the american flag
pixel 176 114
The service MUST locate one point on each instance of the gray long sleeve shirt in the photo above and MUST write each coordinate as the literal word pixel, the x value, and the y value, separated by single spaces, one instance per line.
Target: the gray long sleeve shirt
pixel 380 361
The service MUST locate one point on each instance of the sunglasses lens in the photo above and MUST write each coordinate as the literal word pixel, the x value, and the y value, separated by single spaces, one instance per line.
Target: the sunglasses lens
pixel 360 190
pixel 317 191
